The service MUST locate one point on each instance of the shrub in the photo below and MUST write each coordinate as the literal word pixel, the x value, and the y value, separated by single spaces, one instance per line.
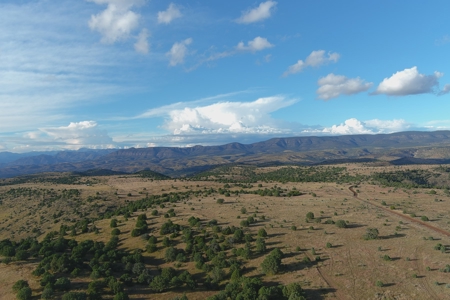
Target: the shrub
pixel 371 234
pixel 121 296
pixel 62 284
pixel 113 223
pixel 171 254
pixel 220 201
pixel 262 232
pixel 379 283
pixel 424 218
pixel 310 216
pixel 272 263
pixel 115 231
pixel 341 224
pixel 24 293
pixel 20 284
pixel 329 245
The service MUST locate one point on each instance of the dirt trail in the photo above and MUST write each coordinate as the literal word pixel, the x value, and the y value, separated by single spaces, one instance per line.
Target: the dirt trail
pixel 425 224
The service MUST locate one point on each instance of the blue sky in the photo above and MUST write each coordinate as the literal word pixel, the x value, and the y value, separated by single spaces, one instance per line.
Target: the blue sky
pixel 137 73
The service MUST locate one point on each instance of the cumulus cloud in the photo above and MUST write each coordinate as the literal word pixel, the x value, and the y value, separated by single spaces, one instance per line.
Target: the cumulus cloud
pixel 257 44
pixel 222 117
pixel 315 59
pixel 117 21
pixel 445 90
pixel 375 126
pixel 142 45
pixel 178 52
pixel 78 135
pixel 332 86
pixel 408 82
pixel 170 14
pixel 262 12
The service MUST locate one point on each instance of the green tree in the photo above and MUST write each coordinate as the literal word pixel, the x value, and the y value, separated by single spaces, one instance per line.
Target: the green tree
pixel 121 296
pixel 262 233
pixel 24 293
pixel 62 284
pixel 371 234
pixel 20 284
pixel 310 216
pixel 47 293
pixel 260 245
pixel 158 284
pixel 171 254
pixel 113 223
pixel 341 224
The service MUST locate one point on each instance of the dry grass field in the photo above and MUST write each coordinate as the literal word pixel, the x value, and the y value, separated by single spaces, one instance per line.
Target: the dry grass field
pixel 343 265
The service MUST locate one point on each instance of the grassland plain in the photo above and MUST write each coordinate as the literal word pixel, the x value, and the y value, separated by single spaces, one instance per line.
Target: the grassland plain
pixel 326 260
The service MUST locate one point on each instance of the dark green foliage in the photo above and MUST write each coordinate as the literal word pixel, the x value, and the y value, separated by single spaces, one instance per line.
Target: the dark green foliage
pixel 310 216
pixel 20 284
pixel 24 293
pixel 371 234
pixel 95 289
pixel 115 231
pixel 260 245
pixel 62 284
pixel 113 223
pixel 171 254
pixel 169 227
pixel 47 293
pixel 48 278
pixel 159 284
pixel 121 296
pixel 21 255
pixel 294 291
pixel 272 263
pixel 262 232
pixel 151 248
pixel 166 241
pixel 341 224
pixel 238 235
pixel 415 178
pixel 136 232
pixel 245 223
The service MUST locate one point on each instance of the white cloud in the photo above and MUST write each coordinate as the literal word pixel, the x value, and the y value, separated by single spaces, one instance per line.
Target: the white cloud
pixel 262 12
pixel 178 52
pixel 142 45
pixel 257 44
pixel 315 59
pixel 222 117
pixel 375 126
pixel 117 21
pixel 408 82
pixel 46 72
pixel 445 90
pixel 78 135
pixel 332 86
pixel 167 16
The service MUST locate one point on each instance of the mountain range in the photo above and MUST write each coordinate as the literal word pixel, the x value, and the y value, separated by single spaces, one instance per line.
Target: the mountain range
pixel 396 148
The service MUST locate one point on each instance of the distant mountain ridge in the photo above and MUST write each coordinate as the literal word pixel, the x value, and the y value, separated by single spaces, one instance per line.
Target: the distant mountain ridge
pixel 175 161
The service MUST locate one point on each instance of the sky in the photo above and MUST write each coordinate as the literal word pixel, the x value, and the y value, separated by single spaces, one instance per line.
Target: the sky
pixel 144 73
